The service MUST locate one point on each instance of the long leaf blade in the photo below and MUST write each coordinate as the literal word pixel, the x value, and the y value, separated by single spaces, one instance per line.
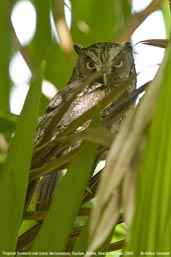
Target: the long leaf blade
pixel 66 203
pixel 151 224
pixel 13 180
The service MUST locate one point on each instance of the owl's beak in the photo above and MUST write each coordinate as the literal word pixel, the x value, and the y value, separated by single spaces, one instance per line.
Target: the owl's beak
pixel 107 75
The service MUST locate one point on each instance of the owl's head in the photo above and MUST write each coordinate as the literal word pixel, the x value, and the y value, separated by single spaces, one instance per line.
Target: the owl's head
pixel 114 60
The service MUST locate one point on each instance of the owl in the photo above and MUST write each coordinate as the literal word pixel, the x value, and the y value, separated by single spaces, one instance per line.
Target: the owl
pixel 99 70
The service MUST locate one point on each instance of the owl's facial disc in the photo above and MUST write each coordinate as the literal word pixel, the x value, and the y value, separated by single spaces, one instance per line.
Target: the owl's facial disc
pixel 109 59
pixel 113 61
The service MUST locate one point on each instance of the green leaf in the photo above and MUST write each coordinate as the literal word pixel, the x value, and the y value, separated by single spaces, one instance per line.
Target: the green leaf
pixel 88 27
pixel 150 229
pixel 7 122
pixel 82 241
pixel 58 71
pixel 13 180
pixel 43 36
pixel 66 203
pixel 126 10
pixel 5 51
pixel 166 16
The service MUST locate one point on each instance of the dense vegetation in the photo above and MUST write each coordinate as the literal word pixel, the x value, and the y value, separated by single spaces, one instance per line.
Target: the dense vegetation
pixel 131 210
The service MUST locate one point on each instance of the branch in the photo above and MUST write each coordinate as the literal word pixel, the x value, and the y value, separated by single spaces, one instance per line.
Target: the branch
pixel 24 52
pixel 136 20
pixel 63 32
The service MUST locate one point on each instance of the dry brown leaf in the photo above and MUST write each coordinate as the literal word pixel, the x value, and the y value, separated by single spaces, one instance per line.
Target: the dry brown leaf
pixel 128 192
pixel 122 152
pixel 163 43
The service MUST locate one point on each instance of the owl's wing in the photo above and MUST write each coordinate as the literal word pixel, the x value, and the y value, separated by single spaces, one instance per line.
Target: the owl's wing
pixel 46 129
pixel 67 105
pixel 65 108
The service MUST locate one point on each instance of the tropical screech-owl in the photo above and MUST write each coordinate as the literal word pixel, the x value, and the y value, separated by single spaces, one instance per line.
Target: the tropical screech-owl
pixel 111 65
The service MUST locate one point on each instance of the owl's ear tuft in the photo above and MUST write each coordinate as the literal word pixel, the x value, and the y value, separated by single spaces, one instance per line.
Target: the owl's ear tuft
pixel 77 48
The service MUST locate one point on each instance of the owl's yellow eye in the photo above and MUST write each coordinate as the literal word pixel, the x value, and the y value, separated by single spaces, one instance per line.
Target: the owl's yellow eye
pixel 119 64
pixel 90 65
